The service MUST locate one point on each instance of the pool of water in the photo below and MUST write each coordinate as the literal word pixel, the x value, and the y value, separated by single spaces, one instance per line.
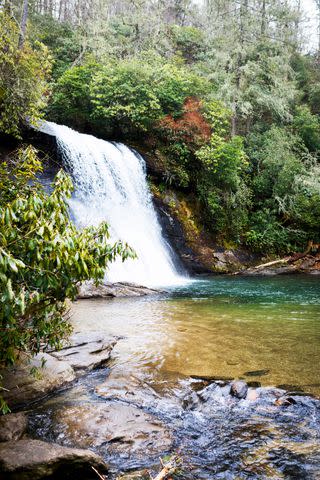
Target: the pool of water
pixel 264 330
pixel 256 328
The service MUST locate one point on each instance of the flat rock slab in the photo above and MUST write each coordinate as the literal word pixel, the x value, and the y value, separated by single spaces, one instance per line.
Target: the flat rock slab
pixel 23 388
pixel 113 428
pixel 111 290
pixel 12 426
pixel 83 352
pixel 34 460
pixel 86 351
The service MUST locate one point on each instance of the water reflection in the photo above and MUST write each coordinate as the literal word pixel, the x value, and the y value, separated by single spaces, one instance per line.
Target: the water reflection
pixel 263 330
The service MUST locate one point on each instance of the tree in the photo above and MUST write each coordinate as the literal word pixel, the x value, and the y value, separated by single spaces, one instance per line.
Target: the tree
pixel 43 257
pixel 23 78
pixel 23 24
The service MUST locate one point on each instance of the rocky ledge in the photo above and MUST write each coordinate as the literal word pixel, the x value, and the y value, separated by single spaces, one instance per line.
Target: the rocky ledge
pixel 298 263
pixel 112 290
pixel 28 459
pixel 33 379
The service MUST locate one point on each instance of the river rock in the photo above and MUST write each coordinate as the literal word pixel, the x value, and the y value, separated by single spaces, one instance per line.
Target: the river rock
pixel 23 388
pixel 110 290
pixel 86 351
pixel 112 428
pixel 123 385
pixel 239 389
pixel 285 401
pixel 12 426
pixel 34 460
pixel 252 395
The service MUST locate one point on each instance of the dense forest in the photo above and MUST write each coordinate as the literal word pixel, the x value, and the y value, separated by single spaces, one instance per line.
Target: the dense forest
pixel 221 90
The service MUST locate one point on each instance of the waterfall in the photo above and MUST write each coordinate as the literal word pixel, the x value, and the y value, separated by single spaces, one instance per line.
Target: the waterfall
pixel 110 185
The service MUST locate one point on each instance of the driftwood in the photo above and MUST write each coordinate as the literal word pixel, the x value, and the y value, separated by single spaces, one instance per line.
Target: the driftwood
pixel 168 468
pixel 274 262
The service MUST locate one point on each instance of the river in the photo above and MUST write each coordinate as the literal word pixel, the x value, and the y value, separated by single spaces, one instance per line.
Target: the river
pixel 265 330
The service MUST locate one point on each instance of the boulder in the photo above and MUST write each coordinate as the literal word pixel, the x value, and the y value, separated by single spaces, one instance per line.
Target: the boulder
pixel 23 388
pixel 34 460
pixel 12 426
pixel 110 290
pixel 239 389
pixel 112 428
pixel 86 351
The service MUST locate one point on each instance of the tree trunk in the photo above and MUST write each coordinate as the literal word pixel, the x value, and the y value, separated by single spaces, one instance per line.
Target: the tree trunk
pixel 23 25
pixel 263 18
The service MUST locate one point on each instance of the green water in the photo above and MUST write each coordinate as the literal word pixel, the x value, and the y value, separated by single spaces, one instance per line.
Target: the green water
pixel 262 329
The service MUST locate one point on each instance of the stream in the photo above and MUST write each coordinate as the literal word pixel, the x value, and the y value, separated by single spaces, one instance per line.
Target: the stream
pixel 175 357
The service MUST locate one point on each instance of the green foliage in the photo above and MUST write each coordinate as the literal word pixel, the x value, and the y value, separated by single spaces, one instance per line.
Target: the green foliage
pixel 124 94
pixel 307 126
pixel 127 96
pixel 62 39
pixel 286 191
pixel 43 257
pixel 71 100
pixel 268 235
pixel 23 74
pixel 188 42
pixel 221 181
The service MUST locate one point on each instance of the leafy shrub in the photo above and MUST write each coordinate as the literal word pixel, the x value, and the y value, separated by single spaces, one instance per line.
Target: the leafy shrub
pixel 43 257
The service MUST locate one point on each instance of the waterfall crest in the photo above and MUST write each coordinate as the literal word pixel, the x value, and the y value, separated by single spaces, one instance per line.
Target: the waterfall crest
pixel 110 185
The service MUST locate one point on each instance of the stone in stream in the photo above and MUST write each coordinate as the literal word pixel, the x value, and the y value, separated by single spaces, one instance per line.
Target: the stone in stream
pixel 112 428
pixel 12 426
pixel 239 389
pixel 89 290
pixel 29 459
pixel 120 384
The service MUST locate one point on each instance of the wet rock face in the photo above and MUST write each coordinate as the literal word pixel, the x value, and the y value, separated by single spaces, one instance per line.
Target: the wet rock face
pixel 23 388
pixel 86 351
pixel 12 426
pixel 82 353
pixel 111 290
pixel 34 460
pixel 112 428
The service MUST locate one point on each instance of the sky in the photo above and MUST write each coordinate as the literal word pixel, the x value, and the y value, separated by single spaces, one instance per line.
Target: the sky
pixel 310 24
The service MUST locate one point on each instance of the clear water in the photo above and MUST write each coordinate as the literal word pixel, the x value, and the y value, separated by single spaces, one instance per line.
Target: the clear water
pixel 222 327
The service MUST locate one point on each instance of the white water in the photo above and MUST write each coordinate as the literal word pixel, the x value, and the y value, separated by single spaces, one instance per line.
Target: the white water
pixel 110 185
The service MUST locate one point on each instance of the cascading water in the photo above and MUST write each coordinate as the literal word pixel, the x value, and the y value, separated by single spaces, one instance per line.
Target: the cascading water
pixel 110 185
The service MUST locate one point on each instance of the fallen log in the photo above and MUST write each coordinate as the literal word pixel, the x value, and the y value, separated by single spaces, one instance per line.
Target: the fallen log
pixel 274 262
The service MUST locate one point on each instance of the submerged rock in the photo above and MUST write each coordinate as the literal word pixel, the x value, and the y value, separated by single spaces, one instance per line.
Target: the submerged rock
pixel 34 460
pixel 111 290
pixel 121 385
pixel 112 428
pixel 12 426
pixel 239 389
